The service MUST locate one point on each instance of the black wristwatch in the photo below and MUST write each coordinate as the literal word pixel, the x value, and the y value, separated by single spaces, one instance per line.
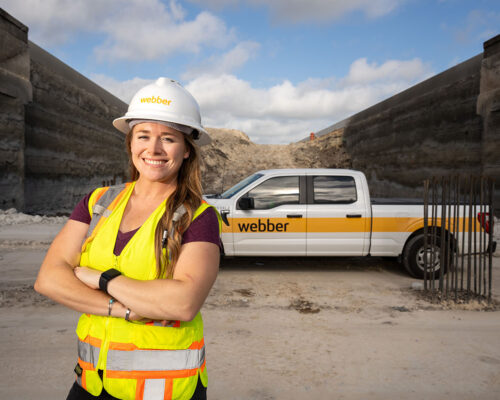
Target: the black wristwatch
pixel 106 276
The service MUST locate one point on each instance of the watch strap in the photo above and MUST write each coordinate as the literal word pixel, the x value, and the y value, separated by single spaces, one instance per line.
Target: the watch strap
pixel 107 276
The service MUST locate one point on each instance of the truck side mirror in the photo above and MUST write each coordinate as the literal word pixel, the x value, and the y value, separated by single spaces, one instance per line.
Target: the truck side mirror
pixel 246 203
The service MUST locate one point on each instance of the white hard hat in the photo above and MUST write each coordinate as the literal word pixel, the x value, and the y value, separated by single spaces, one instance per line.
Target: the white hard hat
pixel 164 100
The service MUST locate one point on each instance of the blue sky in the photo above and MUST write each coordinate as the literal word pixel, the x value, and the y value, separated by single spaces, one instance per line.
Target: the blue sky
pixel 275 69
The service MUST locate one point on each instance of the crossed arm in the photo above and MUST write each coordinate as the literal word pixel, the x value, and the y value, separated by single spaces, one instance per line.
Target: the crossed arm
pixel 180 298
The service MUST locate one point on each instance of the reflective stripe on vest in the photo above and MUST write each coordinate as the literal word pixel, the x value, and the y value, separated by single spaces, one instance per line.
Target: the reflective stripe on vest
pixel 157 389
pixel 100 209
pixel 127 357
pixel 101 204
pixel 88 354
pixel 155 360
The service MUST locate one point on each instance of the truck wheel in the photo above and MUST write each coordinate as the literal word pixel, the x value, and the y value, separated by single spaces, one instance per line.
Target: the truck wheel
pixel 413 258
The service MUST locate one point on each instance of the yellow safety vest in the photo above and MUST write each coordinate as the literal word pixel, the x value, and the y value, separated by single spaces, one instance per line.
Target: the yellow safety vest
pixel 139 360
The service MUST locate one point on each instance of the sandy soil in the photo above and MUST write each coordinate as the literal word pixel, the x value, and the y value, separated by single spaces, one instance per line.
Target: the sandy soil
pixel 276 328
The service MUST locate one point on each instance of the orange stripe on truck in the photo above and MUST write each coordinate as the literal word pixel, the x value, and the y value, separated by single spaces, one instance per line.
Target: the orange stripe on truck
pixel 337 225
pixel 391 224
pixel 319 225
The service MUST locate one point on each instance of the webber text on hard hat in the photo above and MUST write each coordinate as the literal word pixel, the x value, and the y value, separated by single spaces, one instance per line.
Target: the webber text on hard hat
pixel 157 100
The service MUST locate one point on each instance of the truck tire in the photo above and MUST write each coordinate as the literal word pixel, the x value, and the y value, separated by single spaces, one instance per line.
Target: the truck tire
pixel 413 258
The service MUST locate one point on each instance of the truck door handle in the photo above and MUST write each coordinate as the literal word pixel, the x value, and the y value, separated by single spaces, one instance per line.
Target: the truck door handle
pixel 353 215
pixel 294 216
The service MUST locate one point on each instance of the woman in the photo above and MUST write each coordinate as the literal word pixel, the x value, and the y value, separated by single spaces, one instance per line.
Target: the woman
pixel 147 262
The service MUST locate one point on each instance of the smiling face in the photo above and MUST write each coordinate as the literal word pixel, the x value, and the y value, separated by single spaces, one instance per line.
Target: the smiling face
pixel 157 151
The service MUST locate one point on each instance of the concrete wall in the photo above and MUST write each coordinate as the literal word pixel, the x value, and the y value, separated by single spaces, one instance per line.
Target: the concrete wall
pixel 71 145
pixel 488 106
pixel 57 141
pixel 15 92
pixel 429 129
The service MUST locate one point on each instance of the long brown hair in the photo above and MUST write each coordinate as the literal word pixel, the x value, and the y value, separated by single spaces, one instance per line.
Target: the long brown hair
pixel 188 193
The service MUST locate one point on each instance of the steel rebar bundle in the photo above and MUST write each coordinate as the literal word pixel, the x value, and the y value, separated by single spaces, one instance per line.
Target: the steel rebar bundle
pixel 458 232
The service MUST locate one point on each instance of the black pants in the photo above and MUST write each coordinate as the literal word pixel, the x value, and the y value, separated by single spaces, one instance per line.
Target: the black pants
pixel 79 393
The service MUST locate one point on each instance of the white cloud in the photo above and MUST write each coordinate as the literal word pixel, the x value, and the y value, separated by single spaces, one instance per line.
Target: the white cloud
pixel 226 63
pixel 361 72
pixel 177 11
pixel 313 10
pixel 479 25
pixel 288 112
pixel 133 30
pixel 124 90
pixel 160 35
pixel 320 10
pixel 56 21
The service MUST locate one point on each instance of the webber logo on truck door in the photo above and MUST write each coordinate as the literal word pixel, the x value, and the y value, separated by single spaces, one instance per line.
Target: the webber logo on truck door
pixel 262 226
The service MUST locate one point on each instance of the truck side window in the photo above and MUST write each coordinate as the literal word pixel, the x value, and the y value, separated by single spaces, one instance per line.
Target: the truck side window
pixel 275 192
pixel 334 190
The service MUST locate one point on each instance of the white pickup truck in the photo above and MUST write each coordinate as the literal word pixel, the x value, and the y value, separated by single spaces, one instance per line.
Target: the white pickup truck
pixel 321 212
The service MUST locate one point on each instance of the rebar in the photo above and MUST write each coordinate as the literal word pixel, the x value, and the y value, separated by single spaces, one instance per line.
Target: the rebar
pixel 474 242
pixel 469 236
pixel 449 238
pixel 442 236
pixel 455 207
pixel 490 241
pixel 456 236
pixel 464 208
pixel 484 223
pixel 434 234
pixel 480 258
pixel 426 230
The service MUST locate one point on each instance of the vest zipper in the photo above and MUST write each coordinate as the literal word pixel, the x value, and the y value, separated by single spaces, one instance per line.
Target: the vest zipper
pixel 105 345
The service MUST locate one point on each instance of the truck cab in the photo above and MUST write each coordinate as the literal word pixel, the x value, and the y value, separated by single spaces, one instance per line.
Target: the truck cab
pixel 296 212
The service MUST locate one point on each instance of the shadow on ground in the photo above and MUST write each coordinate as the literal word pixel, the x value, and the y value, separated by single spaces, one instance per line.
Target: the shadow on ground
pixel 360 264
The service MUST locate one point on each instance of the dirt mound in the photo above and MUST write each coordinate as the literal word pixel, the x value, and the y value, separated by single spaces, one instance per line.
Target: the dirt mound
pixel 232 156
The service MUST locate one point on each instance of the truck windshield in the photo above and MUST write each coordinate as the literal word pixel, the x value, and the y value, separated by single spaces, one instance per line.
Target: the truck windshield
pixel 240 185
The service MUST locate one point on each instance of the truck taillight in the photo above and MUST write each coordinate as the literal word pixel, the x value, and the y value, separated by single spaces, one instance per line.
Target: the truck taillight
pixel 484 220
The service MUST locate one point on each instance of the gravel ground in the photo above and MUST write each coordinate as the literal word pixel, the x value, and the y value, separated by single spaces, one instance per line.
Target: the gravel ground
pixel 276 328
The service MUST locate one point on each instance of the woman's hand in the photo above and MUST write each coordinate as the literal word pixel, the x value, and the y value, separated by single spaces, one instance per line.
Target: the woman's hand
pixel 177 299
pixel 136 317
pixel 88 276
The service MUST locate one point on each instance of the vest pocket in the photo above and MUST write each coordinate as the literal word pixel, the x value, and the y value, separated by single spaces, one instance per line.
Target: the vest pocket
pixel 89 349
